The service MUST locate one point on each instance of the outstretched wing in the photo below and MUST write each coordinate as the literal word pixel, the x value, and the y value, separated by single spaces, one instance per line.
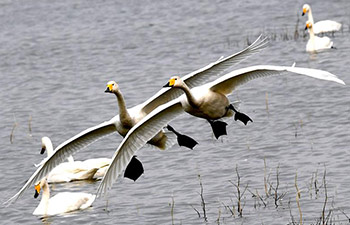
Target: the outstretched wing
pixel 203 75
pixel 136 138
pixel 64 150
pixel 227 83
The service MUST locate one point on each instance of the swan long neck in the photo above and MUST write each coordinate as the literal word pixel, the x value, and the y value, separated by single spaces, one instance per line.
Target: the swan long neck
pixel 49 147
pixel 190 98
pixel 312 35
pixel 311 18
pixel 125 118
pixel 44 202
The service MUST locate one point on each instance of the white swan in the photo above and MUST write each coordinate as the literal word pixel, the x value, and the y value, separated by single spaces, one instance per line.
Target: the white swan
pixel 67 171
pixel 62 202
pixel 316 43
pixel 206 101
pixel 90 135
pixel 74 170
pixel 321 26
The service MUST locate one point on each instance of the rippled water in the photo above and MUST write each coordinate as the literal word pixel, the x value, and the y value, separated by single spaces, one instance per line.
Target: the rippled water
pixel 55 60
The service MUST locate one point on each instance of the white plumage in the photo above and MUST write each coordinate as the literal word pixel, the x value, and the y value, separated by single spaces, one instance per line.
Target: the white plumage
pixel 223 86
pixel 322 26
pixel 90 135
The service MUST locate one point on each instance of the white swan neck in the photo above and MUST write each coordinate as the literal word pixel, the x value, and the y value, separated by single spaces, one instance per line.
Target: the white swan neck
pixel 49 147
pixel 44 202
pixel 125 118
pixel 311 19
pixel 190 98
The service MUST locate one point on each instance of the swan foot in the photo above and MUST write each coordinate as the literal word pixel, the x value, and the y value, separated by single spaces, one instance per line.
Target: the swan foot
pixel 134 169
pixel 219 128
pixel 183 140
pixel 240 116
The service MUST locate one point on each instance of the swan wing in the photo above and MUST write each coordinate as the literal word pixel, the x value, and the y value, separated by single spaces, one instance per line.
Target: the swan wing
pixel 227 83
pixel 202 75
pixel 136 138
pixel 64 150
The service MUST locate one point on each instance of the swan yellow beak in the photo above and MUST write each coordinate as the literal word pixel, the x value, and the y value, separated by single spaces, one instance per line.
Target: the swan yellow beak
pixel 304 11
pixel 308 25
pixel 37 190
pixel 109 88
pixel 170 83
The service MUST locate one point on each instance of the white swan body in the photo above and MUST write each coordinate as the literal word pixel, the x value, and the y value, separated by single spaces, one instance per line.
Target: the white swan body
pixel 90 135
pixel 321 26
pixel 62 202
pixel 67 171
pixel 316 43
pixel 218 89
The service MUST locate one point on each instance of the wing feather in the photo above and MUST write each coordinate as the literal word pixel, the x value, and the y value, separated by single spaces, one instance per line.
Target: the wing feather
pixel 203 75
pixel 227 83
pixel 63 151
pixel 136 138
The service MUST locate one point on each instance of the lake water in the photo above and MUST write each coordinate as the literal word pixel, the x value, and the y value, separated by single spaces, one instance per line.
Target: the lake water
pixel 57 56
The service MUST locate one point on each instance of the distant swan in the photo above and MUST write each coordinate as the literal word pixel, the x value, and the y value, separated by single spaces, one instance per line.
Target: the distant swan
pixel 316 43
pixel 117 123
pixel 62 202
pixel 321 26
pixel 208 101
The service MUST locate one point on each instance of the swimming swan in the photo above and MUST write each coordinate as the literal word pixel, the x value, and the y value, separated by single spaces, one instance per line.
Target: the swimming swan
pixel 90 135
pixel 62 202
pixel 321 26
pixel 198 101
pixel 66 171
pixel 315 43
pixel 74 170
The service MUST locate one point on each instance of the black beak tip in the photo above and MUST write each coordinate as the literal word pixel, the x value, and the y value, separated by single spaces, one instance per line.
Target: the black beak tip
pixel 42 151
pixel 302 14
pixel 167 85
pixel 36 194
pixel 305 28
pixel 107 90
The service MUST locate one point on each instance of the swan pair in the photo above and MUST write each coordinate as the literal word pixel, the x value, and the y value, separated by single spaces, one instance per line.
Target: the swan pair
pixel 321 26
pixel 128 118
pixel 316 43
pixel 208 101
pixel 60 203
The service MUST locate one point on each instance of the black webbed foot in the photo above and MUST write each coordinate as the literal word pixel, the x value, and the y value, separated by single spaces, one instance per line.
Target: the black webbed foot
pixel 183 140
pixel 134 169
pixel 240 116
pixel 219 128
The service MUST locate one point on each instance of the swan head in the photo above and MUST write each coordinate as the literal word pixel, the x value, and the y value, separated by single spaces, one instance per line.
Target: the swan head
pixel 175 81
pixel 45 143
pixel 39 186
pixel 306 9
pixel 308 25
pixel 112 87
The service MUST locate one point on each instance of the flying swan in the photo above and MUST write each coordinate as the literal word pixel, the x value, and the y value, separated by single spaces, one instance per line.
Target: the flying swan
pixel 92 134
pixel 316 43
pixel 321 26
pixel 208 101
